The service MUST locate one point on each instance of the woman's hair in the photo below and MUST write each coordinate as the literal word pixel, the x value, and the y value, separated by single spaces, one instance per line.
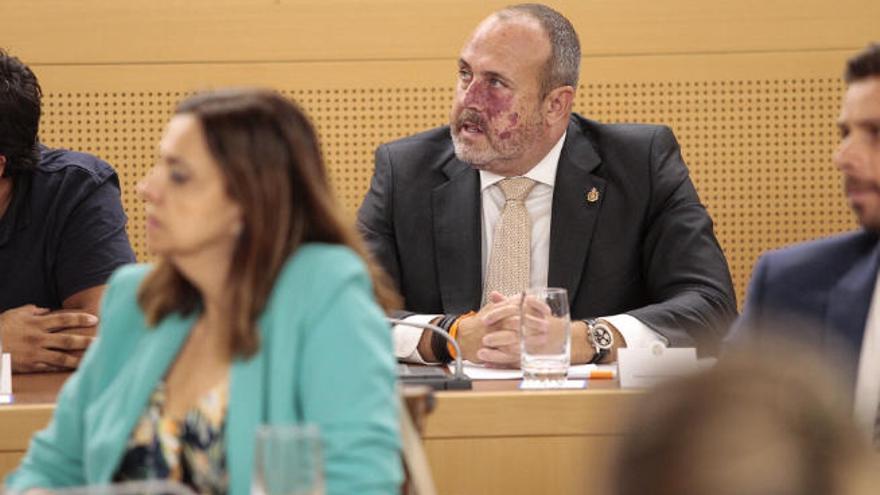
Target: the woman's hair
pixel 271 162
pixel 763 422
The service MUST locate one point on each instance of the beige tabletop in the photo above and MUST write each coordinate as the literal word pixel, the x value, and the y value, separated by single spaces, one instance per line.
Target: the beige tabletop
pixel 494 439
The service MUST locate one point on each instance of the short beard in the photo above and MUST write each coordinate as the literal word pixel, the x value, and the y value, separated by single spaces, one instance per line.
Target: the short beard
pixel 479 158
pixel 469 155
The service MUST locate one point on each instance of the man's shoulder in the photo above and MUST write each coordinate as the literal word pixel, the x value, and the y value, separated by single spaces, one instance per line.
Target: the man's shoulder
pixel 65 178
pixel 814 265
pixel 790 286
pixel 831 252
pixel 626 133
pixel 57 161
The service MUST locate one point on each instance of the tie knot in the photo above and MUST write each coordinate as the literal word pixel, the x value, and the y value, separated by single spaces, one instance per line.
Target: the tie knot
pixel 516 188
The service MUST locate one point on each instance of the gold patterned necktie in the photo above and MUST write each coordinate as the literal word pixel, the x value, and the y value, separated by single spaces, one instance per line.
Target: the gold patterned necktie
pixel 510 257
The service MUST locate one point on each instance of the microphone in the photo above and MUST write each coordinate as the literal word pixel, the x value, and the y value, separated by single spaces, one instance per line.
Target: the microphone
pixel 436 378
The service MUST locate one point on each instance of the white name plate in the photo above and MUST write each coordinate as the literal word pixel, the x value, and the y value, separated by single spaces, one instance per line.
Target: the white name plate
pixel 644 368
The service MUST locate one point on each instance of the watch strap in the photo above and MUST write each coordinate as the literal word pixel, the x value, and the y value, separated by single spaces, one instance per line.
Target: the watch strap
pixel 598 352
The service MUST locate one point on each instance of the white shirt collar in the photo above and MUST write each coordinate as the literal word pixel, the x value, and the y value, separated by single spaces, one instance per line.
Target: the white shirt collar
pixel 544 172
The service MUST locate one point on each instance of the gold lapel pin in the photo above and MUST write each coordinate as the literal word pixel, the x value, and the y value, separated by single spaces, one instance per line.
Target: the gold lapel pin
pixel 593 195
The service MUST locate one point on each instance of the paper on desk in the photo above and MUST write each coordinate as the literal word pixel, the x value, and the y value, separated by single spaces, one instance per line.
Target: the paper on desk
pixel 480 372
pixel 5 379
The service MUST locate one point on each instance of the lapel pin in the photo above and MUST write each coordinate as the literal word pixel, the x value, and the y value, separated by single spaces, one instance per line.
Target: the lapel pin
pixel 593 195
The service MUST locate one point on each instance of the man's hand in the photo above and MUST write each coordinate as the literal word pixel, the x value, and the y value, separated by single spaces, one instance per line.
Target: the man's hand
pixel 43 340
pixel 491 336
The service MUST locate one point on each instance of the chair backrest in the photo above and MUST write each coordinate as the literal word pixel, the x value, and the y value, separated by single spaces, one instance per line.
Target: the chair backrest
pixel 417 402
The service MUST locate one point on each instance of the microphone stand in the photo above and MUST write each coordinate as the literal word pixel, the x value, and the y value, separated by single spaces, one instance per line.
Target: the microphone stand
pixel 459 380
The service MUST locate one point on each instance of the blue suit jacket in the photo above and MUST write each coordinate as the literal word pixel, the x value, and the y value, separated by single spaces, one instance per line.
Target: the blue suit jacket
pixel 325 357
pixel 820 290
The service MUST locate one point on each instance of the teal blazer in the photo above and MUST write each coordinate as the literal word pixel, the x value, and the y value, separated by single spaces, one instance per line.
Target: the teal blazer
pixel 325 357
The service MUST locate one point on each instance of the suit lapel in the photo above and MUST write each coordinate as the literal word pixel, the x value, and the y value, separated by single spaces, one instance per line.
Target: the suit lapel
pixel 457 237
pixel 848 306
pixel 575 209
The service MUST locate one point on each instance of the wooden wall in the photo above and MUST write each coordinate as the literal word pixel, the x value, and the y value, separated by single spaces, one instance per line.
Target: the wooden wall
pixel 750 88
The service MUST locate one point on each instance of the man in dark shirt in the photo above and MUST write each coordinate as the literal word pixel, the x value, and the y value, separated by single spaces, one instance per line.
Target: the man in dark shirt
pixel 62 233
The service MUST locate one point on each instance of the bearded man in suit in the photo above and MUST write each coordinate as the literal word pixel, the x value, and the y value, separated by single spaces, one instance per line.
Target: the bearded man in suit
pixel 612 214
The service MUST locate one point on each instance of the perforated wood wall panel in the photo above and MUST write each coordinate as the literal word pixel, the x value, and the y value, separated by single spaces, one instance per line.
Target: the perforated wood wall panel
pixel 124 128
pixel 120 127
pixel 759 150
pixel 754 113
pixel 352 122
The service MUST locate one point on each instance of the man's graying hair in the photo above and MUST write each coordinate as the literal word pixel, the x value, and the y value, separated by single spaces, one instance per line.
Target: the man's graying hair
pixel 864 64
pixel 563 66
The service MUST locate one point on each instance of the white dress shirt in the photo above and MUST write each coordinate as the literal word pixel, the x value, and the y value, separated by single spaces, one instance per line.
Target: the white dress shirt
pixel 539 205
pixel 868 378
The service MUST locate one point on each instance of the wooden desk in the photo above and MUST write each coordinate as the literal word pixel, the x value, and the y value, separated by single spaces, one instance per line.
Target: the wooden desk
pixel 500 440
pixel 34 402
pixel 494 439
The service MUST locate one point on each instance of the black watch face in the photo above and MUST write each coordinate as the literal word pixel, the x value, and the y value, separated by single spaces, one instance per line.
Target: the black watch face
pixel 602 337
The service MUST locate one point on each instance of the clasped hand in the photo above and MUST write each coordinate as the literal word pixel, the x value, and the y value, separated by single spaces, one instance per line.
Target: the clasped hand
pixel 492 336
pixel 40 339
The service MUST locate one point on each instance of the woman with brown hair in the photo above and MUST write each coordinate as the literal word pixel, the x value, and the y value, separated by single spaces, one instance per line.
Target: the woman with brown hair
pixel 259 310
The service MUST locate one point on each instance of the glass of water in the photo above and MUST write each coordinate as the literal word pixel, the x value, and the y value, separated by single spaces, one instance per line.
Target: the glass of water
pixel 545 331
pixel 287 461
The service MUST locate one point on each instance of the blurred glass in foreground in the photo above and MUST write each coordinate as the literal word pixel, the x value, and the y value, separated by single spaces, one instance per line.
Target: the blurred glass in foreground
pixel 288 461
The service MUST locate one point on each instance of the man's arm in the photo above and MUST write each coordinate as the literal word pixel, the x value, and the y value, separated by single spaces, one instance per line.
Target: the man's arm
pixel 87 300
pixel 375 222
pixel 92 244
pixel 375 217
pixel 42 340
pixel 688 284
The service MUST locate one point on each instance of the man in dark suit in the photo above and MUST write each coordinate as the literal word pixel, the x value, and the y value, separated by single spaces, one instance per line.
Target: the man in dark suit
pixel 828 286
pixel 614 216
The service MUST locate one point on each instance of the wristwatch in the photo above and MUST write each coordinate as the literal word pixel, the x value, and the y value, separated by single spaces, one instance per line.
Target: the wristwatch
pixel 600 338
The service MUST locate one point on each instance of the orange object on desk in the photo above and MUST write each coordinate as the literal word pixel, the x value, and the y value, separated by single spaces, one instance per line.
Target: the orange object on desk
pixel 602 375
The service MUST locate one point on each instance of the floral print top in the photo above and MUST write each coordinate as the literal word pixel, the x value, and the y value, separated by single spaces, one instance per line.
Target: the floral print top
pixel 190 451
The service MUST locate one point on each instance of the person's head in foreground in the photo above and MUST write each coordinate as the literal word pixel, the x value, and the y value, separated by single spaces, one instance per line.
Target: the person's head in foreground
pixel 239 186
pixel 259 310
pixel 777 424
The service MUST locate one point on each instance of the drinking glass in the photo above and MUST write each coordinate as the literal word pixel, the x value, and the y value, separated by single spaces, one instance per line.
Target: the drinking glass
pixel 545 331
pixel 287 461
